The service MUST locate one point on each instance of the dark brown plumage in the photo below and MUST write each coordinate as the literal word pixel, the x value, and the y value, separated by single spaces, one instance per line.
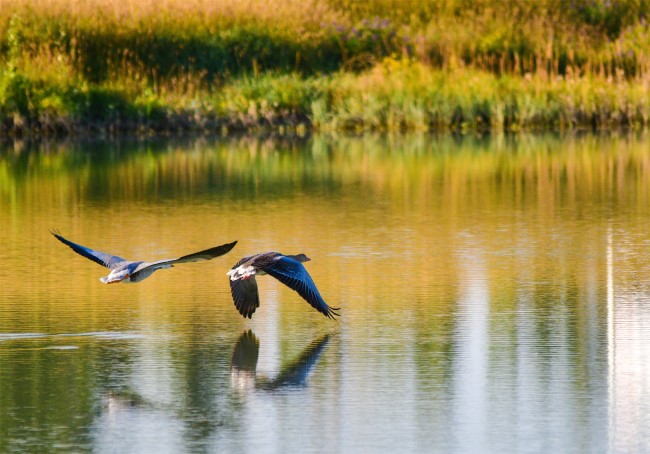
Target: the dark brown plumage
pixel 288 269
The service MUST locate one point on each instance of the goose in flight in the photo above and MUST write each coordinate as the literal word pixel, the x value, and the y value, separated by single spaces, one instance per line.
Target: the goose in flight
pixel 128 271
pixel 288 269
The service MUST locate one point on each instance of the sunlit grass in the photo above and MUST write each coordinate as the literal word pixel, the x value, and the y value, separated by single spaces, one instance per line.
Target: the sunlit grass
pixel 331 64
pixel 402 95
pixel 395 95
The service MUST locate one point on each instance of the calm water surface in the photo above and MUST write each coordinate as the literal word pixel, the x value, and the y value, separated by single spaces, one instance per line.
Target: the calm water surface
pixel 494 294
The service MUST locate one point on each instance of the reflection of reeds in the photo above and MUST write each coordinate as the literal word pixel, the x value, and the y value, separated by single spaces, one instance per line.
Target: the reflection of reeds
pixel 530 180
pixel 411 208
pixel 588 167
pixel 425 65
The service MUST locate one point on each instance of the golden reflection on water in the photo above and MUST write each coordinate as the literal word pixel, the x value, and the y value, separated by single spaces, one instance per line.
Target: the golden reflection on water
pixel 369 203
pixel 471 273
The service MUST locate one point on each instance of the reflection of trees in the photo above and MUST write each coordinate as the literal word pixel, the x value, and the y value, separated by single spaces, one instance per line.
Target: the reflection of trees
pixel 294 374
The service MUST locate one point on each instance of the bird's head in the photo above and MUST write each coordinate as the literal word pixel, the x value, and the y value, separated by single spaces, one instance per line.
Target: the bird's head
pixel 300 257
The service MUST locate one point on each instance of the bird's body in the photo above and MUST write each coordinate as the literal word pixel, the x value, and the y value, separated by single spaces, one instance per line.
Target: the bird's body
pixel 128 271
pixel 288 269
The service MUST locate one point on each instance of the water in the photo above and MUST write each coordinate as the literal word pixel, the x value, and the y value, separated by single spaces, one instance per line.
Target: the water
pixel 494 296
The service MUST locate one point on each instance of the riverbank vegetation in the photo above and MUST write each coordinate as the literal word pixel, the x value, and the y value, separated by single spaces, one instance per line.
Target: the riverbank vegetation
pixel 103 66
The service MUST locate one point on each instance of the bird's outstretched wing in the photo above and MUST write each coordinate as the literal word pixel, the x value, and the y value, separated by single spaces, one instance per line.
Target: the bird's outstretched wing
pixel 294 275
pixel 245 295
pixel 102 258
pixel 145 269
pixel 208 254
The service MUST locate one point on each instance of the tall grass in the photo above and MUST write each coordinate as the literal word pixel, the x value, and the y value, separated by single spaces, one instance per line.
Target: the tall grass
pixel 164 38
pixel 379 64
pixel 398 95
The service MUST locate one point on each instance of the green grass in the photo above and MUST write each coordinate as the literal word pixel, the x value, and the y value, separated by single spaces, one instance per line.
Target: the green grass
pixel 105 66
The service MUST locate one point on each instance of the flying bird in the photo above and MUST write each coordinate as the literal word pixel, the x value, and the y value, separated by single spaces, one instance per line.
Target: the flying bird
pixel 128 271
pixel 288 269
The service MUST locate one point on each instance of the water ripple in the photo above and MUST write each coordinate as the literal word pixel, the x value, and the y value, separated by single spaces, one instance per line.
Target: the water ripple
pixel 106 335
pixel 19 336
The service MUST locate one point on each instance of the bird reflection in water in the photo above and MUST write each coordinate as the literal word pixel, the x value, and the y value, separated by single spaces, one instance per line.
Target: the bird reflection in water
pixel 114 402
pixel 243 366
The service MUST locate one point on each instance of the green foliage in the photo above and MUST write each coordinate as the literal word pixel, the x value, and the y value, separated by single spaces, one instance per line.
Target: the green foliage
pixel 380 64
pixel 610 17
pixel 516 36
pixel 15 92
pixel 14 38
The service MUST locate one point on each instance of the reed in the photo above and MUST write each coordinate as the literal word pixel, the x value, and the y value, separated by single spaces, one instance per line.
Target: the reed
pixel 399 95
pixel 330 64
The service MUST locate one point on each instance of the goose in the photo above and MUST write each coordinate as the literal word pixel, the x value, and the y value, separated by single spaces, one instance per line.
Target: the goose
pixel 128 271
pixel 288 269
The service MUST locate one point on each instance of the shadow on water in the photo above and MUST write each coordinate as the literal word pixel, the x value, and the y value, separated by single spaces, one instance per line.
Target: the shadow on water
pixel 243 369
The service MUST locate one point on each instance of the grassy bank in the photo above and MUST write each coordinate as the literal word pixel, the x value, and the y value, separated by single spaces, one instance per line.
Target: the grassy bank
pixel 103 66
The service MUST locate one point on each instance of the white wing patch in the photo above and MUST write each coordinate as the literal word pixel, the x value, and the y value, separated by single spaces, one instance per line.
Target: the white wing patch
pixel 241 272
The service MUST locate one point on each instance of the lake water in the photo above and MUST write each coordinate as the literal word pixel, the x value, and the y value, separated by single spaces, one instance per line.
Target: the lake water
pixel 494 295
